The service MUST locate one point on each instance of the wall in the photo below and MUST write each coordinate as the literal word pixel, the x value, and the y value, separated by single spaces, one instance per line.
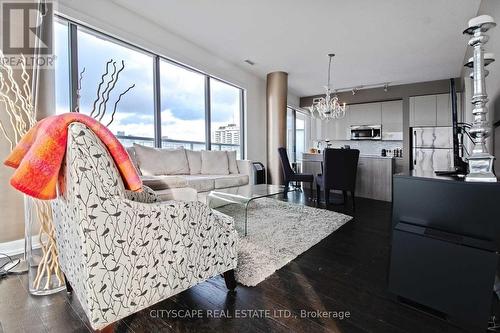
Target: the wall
pixel 403 92
pixel 11 201
pixel 292 100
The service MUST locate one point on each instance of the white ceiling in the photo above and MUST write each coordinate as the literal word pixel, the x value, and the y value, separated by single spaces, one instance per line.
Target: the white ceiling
pixel 398 41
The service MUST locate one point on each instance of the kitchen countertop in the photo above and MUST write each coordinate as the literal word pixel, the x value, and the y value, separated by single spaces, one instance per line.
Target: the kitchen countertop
pixel 430 175
pixel 376 156
pixel 306 155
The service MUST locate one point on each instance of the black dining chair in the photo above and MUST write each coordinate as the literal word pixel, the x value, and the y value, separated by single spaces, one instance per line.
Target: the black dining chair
pixel 340 167
pixel 289 175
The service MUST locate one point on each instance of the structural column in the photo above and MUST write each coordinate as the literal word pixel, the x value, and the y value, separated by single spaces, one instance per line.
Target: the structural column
pixel 276 102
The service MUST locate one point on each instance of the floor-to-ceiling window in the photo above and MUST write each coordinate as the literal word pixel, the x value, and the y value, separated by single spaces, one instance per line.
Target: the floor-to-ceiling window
pixel 133 119
pixel 62 66
pixel 290 134
pixel 225 114
pixel 182 107
pixel 300 135
pixel 167 104
pixel 296 136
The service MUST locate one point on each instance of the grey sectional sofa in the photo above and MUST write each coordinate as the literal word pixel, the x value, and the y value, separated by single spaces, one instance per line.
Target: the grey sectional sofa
pixel 182 174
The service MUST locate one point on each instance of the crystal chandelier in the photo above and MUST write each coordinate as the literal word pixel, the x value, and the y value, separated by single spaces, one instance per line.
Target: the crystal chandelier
pixel 328 107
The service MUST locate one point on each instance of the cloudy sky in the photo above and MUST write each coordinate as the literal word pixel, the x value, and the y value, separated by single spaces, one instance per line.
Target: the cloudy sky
pixel 182 91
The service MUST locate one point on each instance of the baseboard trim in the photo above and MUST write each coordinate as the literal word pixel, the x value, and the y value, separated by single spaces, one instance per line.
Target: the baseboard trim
pixel 16 247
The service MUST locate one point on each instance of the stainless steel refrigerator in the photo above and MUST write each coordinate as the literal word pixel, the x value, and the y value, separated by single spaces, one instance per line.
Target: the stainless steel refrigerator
pixel 432 148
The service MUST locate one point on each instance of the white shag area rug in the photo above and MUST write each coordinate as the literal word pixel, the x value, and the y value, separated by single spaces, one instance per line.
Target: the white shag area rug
pixel 278 232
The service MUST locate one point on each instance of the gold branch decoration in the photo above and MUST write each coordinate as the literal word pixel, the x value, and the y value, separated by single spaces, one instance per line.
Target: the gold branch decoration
pixel 17 98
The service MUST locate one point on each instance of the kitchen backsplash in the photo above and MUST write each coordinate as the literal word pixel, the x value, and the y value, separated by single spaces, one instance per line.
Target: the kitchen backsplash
pixel 368 147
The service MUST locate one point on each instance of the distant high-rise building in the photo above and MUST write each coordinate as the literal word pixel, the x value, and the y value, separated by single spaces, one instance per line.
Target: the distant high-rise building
pixel 229 134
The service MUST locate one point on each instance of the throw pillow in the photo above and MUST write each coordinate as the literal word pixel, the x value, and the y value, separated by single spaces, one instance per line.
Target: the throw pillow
pixel 156 161
pixel 233 166
pixel 214 162
pixel 149 160
pixel 194 160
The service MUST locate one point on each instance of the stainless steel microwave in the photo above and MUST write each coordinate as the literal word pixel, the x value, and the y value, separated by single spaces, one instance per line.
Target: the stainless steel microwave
pixel 366 132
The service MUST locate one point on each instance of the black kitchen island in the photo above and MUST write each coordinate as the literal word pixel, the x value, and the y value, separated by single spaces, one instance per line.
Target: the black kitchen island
pixel 445 241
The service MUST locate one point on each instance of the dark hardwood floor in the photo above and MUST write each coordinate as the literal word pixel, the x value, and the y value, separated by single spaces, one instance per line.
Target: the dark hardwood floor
pixel 347 271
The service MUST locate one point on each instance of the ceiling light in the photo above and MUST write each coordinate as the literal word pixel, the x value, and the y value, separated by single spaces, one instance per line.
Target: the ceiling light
pixel 328 107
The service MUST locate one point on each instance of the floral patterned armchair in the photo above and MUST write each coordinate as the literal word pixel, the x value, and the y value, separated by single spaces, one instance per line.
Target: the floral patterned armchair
pixel 122 251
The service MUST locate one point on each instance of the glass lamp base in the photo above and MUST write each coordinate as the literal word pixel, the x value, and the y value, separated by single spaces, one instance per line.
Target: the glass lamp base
pixel 40 283
pixel 20 268
pixel 44 274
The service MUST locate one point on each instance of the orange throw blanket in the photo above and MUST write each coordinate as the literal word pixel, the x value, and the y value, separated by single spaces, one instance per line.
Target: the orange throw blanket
pixel 37 158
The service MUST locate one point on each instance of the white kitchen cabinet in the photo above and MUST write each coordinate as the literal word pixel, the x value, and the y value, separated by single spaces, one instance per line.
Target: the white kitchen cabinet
pixel 392 120
pixel 365 114
pixel 336 129
pixel 388 114
pixel 424 110
pixel 433 110
pixel 326 130
pixel 355 113
pixel 443 110
pixel 341 128
pixel 330 132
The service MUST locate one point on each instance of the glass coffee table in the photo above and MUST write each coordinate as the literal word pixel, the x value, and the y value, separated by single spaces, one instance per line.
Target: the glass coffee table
pixel 243 195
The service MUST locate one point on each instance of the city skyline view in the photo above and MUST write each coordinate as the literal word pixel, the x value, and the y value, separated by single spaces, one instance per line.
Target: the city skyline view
pixel 232 127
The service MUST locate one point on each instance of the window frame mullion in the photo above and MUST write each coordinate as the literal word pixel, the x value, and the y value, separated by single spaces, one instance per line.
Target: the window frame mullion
pixel 208 116
pixel 73 65
pixel 294 134
pixel 157 101
pixel 242 140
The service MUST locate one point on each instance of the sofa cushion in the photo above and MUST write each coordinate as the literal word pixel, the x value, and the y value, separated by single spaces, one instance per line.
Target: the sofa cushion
pixel 156 161
pixel 214 162
pixel 194 160
pixel 231 157
pixel 178 194
pixel 158 183
pixel 230 181
pixel 133 158
pixel 201 183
